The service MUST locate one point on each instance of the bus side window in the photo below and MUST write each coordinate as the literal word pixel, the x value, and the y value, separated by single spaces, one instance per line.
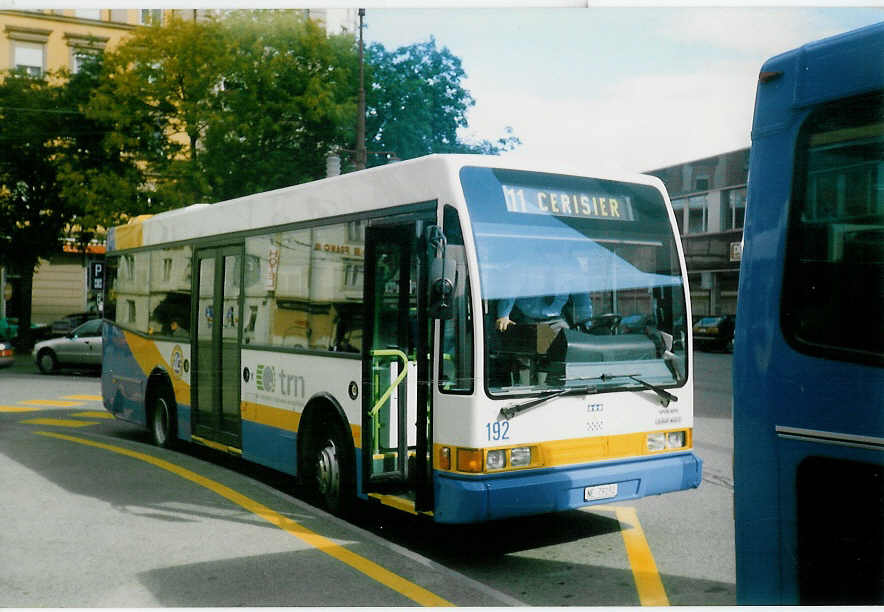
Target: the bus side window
pixel 835 258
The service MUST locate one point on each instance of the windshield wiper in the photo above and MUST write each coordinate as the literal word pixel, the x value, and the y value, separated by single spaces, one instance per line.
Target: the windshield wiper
pixel 663 393
pixel 511 411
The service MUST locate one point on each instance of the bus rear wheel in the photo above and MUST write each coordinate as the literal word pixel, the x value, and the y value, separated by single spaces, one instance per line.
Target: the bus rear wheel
pixel 162 421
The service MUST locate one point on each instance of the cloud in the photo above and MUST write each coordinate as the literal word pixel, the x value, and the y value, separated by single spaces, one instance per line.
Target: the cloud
pixel 750 31
pixel 637 124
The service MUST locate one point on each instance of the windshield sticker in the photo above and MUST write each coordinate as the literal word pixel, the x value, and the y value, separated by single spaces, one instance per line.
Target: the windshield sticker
pixel 532 201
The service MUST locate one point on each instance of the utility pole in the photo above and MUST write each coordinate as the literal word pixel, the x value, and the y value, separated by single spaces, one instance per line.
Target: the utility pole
pixel 361 153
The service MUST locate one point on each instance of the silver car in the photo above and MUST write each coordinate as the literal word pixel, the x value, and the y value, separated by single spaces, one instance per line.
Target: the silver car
pixel 81 347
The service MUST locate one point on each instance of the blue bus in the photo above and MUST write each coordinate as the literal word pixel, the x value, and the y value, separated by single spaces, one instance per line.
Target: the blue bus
pixel 809 346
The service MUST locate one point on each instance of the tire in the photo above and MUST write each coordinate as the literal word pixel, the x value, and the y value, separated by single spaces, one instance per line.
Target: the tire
pixel 331 470
pixel 162 420
pixel 47 362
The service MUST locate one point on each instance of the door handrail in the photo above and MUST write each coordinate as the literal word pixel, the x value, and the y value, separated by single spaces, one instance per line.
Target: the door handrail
pixel 389 353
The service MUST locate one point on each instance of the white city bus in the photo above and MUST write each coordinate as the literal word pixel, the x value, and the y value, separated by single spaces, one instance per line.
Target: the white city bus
pixel 378 336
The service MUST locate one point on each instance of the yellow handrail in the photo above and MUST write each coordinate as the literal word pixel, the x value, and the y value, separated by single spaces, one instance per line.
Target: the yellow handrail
pixel 390 353
pixel 373 413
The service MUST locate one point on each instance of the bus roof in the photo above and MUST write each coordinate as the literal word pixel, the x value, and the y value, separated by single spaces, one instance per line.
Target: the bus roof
pixel 408 182
pixel 840 66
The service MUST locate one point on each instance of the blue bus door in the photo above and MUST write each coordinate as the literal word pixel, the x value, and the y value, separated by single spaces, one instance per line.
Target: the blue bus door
pixel 215 384
pixel 396 353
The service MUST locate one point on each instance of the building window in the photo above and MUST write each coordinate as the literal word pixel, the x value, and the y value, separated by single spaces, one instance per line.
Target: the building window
pixel 80 57
pixel 88 14
pixel 702 184
pixel 119 15
pixel 678 207
pixel 736 208
pixel 151 17
pixel 28 56
pixel 697 215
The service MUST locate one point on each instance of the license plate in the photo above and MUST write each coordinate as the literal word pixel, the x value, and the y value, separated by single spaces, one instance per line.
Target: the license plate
pixel 605 491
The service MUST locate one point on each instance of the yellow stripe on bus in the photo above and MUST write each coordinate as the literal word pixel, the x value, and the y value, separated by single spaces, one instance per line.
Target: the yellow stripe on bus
pixel 559 453
pixel 287 420
pixel 371 569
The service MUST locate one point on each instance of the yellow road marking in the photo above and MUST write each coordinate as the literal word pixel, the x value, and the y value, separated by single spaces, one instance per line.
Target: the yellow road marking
pixel 644 569
pixel 369 568
pixel 56 403
pixel 94 414
pixel 93 398
pixel 60 422
pixel 18 409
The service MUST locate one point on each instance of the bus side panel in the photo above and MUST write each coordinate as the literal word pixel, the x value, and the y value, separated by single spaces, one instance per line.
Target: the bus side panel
pixel 755 483
pixel 276 389
pixel 127 362
pixel 123 383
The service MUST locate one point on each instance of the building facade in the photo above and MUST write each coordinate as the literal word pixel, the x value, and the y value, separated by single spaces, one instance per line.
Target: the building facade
pixel 42 40
pixel 709 198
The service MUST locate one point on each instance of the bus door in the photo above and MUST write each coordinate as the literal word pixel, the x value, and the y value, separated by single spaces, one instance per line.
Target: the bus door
pixel 396 353
pixel 216 392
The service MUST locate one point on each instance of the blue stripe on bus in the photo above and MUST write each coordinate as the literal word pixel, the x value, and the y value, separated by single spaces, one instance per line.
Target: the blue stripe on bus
pixel 270 446
pixel 463 499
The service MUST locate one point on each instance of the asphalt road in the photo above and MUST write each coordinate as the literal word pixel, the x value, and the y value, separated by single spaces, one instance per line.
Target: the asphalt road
pixel 94 516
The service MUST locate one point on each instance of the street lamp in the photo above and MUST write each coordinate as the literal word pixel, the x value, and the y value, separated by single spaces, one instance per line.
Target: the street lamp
pixel 361 153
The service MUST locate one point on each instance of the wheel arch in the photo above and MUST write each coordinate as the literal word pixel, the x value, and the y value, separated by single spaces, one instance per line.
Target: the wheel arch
pixel 322 410
pixel 158 380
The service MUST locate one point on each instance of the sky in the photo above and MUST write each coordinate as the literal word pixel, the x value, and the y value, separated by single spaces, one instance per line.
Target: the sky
pixel 619 89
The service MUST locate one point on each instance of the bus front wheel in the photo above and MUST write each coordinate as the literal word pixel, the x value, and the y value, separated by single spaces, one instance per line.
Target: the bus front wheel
pixel 332 470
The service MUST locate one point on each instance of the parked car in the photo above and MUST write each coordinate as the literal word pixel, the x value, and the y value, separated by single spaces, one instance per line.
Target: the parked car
pixel 69 322
pixel 715 332
pixel 81 347
pixel 7 355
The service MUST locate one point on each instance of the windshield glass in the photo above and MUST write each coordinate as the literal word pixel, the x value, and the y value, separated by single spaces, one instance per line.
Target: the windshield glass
pixel 579 277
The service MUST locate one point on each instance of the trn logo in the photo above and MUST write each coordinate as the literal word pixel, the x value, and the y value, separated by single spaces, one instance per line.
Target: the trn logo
pixel 265 378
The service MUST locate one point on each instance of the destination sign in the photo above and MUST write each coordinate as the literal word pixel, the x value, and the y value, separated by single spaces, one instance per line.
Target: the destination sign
pixel 584 205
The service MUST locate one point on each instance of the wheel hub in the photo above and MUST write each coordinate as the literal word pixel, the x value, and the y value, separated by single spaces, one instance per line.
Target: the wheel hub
pixel 328 473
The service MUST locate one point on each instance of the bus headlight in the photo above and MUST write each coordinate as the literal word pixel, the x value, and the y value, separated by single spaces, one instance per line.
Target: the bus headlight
pixel 656 441
pixel 675 439
pixel 520 456
pixel 496 460
pixel 666 440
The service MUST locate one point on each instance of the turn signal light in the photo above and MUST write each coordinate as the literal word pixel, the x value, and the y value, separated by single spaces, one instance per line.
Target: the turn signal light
pixel 445 458
pixel 469 460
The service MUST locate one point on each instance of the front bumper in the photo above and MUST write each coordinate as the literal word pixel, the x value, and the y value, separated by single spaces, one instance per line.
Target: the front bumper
pixel 467 499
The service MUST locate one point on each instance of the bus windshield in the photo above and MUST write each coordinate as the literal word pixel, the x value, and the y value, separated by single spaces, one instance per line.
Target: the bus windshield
pixel 580 279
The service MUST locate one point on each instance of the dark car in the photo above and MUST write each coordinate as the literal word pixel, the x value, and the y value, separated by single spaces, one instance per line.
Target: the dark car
pixel 67 323
pixel 715 332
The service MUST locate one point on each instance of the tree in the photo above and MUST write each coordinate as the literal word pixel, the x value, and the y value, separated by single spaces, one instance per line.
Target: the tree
pixel 221 108
pixel 160 91
pixel 288 100
pixel 416 103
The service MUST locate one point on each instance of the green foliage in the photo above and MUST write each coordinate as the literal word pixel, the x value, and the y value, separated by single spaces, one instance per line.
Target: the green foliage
pixel 289 99
pixel 416 103
pixel 160 90
pixel 32 211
